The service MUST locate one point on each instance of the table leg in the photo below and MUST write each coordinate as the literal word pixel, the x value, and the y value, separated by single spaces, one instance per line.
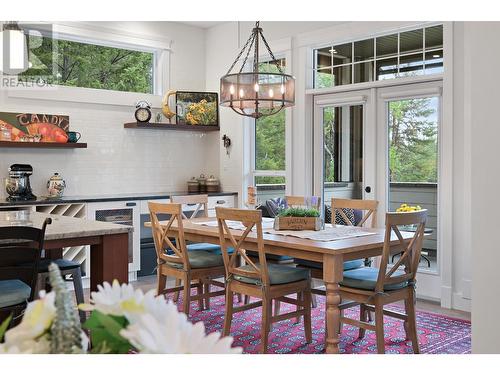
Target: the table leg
pixel 332 275
pixel 109 260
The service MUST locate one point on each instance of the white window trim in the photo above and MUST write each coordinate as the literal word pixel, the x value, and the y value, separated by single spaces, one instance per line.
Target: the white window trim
pixel 87 33
pixel 281 49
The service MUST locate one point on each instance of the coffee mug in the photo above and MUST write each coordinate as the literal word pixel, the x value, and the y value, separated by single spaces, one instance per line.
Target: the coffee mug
pixel 73 137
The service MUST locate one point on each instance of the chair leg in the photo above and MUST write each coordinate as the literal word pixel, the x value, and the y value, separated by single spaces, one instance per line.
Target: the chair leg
pixel 40 284
pixel 314 301
pixel 306 298
pixel 199 292
pixel 379 327
pixel 277 306
pixel 246 300
pixel 412 321
pixel 362 318
pixel 300 297
pixel 228 316
pixel 240 297
pixel 267 310
pixel 207 291
pixel 176 294
pixel 161 282
pixel 77 283
pixel 186 294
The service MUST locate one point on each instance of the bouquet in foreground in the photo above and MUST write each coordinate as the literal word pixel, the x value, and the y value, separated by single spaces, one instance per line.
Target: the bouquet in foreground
pixel 122 320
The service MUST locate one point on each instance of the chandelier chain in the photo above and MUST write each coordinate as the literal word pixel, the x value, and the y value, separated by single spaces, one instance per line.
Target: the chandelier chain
pixel 248 53
pixel 241 53
pixel 271 53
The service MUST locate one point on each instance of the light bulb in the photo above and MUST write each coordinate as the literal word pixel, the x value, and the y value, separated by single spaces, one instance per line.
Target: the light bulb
pixel 256 87
pixel 271 93
pixel 242 93
pixel 282 89
pixel 231 89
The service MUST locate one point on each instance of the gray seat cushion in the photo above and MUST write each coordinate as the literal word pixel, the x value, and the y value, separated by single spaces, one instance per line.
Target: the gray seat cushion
pixel 201 259
pixel 366 278
pixel 13 292
pixel 348 265
pixel 278 274
pixel 213 248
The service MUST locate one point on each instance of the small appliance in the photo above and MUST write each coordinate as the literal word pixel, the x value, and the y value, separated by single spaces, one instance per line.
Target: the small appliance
pixel 17 184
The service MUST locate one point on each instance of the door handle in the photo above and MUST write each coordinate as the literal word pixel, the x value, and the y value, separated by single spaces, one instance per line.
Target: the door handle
pixel 368 189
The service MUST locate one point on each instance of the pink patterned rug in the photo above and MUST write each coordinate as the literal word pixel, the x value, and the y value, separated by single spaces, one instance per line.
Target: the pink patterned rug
pixel 438 334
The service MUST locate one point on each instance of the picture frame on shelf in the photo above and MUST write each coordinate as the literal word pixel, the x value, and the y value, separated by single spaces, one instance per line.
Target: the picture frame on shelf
pixel 197 108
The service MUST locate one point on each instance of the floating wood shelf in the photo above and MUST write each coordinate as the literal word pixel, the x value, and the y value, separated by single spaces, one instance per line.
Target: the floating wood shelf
pixel 165 126
pixel 41 145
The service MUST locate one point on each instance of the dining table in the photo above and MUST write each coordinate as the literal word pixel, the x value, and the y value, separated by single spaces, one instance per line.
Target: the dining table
pixel 332 254
pixel 109 242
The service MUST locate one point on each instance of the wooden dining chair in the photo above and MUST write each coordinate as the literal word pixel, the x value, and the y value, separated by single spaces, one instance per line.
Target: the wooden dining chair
pixel 175 260
pixel 374 288
pixel 302 201
pixel 197 207
pixel 20 251
pixel 261 280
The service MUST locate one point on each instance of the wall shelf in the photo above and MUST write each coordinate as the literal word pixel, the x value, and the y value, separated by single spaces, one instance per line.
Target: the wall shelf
pixel 165 126
pixel 41 145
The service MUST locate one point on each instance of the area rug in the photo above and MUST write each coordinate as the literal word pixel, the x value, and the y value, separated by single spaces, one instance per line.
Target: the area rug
pixel 437 334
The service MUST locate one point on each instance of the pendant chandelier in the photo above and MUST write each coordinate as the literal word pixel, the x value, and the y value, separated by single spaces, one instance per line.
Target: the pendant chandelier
pixel 255 94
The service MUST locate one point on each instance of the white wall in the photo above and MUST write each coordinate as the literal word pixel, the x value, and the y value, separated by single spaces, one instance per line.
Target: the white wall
pixel 482 120
pixel 122 160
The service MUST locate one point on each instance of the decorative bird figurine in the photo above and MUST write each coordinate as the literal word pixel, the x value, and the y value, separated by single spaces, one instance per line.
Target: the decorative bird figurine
pixel 165 108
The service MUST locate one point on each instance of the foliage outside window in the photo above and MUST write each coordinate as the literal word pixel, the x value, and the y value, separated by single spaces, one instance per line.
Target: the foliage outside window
pixel 270 139
pixel 413 140
pixel 70 63
pixel 404 54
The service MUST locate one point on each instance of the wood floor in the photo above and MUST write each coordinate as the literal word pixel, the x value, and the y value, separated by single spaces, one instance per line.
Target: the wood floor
pixel 149 282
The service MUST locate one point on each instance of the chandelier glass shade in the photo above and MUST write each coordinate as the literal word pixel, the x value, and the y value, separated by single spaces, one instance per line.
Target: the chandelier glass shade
pixel 253 93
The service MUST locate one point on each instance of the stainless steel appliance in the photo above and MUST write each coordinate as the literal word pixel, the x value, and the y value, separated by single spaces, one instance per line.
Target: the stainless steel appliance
pixel 17 184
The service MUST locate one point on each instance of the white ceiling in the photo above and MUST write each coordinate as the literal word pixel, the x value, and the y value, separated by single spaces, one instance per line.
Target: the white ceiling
pixel 202 24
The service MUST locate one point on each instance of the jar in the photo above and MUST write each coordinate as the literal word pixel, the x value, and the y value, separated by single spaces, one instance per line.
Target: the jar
pixel 202 182
pixel 56 186
pixel 5 133
pixel 193 186
pixel 212 184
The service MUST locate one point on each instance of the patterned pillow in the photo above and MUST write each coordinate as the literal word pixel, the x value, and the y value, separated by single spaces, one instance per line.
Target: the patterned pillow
pixel 349 212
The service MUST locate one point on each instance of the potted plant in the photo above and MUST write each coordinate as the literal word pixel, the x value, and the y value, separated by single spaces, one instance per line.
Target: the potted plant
pixel 298 218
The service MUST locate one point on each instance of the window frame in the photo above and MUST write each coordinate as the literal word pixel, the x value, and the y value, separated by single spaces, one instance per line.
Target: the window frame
pixel 107 37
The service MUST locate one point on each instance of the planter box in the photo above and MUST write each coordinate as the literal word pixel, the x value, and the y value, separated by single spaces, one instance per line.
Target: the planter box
pixel 297 223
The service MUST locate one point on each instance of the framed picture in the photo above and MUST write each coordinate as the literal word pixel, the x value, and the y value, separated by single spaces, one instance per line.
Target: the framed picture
pixel 44 127
pixel 197 108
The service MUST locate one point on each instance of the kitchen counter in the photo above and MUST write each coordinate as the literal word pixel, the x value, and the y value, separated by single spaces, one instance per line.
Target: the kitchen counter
pixel 104 198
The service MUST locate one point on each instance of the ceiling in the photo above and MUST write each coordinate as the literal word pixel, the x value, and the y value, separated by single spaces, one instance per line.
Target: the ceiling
pixel 202 24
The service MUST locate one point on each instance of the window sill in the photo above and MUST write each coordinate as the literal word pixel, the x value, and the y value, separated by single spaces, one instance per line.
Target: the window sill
pixel 85 95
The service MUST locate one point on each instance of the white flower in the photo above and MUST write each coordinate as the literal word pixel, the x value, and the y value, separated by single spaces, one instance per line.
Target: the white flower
pixel 30 336
pixel 119 300
pixel 165 330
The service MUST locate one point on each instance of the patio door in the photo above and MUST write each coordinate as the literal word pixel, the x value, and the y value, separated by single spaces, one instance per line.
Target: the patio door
pixel 408 131
pixel 344 145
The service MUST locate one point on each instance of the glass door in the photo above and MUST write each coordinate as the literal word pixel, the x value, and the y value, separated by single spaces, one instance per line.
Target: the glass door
pixel 344 154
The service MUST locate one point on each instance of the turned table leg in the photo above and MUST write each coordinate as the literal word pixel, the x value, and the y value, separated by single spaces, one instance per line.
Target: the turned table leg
pixel 332 275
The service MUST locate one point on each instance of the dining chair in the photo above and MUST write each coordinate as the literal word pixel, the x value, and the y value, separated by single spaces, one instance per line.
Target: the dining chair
pixel 199 205
pixel 261 280
pixel 20 251
pixel 374 288
pixel 176 260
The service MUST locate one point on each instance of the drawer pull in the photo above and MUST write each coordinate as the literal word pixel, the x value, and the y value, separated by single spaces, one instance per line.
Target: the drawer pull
pixel 130 204
pixel 221 201
pixel 191 204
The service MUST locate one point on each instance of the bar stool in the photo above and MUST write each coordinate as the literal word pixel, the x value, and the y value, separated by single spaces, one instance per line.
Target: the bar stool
pixel 67 267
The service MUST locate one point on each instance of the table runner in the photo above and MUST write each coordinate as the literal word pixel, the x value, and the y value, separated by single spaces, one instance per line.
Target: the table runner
pixel 330 233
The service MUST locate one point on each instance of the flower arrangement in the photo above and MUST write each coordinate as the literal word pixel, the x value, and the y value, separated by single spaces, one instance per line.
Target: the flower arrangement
pixel 122 320
pixel 299 212
pixel 201 113
pixel 406 208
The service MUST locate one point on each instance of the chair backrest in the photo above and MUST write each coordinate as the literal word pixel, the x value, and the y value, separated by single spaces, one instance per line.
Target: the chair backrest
pixel 250 219
pixel 20 251
pixel 410 249
pixel 369 208
pixel 200 201
pixel 163 243
pixel 301 201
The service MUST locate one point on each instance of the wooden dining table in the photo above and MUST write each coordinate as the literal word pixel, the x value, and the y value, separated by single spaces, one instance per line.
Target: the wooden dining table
pixel 332 254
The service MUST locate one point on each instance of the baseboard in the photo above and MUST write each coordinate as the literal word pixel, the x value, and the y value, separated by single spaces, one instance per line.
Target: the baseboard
pixel 446 296
pixel 461 303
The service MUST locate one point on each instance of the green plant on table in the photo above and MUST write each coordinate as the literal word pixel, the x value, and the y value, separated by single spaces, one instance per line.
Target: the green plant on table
pixel 299 212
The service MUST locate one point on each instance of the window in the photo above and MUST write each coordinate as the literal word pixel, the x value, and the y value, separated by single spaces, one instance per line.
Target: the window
pixel 86 65
pixel 269 155
pixel 405 54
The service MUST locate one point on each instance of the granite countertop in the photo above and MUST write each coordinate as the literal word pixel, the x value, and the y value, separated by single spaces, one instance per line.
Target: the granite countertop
pixel 62 226
pixel 105 198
